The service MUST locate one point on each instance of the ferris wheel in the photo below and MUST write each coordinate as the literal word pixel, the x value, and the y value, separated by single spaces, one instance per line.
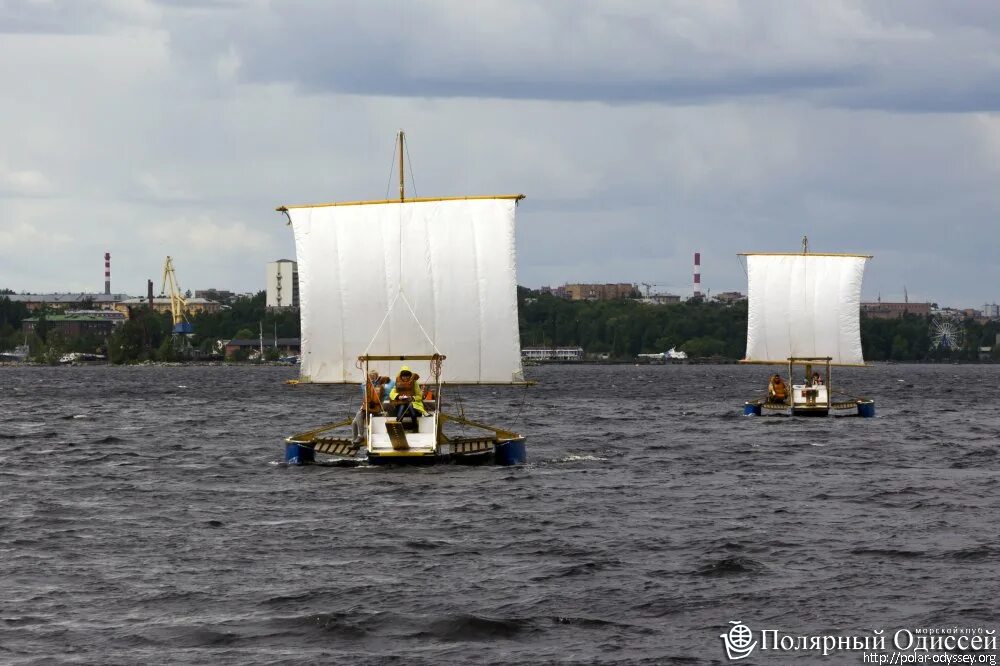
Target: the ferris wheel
pixel 946 335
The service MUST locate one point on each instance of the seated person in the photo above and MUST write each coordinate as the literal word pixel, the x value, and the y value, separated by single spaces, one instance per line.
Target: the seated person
pixel 372 397
pixel 407 397
pixel 776 390
pixel 816 380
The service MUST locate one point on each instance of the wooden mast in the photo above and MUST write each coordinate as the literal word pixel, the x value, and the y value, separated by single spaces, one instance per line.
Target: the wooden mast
pixel 402 191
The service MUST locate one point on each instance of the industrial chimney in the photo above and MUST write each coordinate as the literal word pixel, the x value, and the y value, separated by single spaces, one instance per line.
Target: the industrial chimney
pixel 107 273
pixel 697 274
pixel 149 293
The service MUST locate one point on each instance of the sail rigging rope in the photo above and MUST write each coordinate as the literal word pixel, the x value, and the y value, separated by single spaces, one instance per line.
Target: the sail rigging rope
pixel 413 183
pixel 392 169
pixel 384 319
pixel 520 410
pixel 419 325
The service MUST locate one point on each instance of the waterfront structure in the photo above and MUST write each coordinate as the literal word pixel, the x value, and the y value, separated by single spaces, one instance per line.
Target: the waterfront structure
pixel 600 292
pixel 74 300
pixel 730 297
pixel 558 292
pixel 163 304
pixel 552 354
pixel 284 345
pixel 219 295
pixel 283 284
pixel 885 310
pixel 661 299
pixel 73 325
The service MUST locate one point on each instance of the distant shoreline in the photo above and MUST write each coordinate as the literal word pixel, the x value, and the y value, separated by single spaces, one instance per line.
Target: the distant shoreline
pixel 277 364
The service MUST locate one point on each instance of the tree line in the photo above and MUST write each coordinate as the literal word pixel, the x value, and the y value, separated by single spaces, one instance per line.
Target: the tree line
pixel 620 329
pixel 625 328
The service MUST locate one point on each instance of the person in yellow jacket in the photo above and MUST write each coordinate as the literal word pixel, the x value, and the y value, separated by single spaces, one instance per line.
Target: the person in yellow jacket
pixel 776 390
pixel 407 396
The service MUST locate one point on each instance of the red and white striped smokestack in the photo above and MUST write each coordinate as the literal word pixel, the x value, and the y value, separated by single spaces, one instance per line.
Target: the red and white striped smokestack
pixel 107 273
pixel 697 274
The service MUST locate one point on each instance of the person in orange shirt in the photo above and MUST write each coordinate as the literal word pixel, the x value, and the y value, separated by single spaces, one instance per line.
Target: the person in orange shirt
pixel 776 390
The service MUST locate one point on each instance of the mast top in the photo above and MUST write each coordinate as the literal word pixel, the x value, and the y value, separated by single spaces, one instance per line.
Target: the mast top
pixel 402 143
pixel 805 245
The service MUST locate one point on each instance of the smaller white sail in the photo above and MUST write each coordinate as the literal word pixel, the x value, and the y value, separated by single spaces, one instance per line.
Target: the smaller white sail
pixel 804 305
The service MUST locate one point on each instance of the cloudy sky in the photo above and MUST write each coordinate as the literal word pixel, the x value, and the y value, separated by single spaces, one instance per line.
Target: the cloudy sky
pixel 640 132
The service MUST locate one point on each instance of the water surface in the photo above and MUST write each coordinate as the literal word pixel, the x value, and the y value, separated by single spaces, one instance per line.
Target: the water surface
pixel 146 518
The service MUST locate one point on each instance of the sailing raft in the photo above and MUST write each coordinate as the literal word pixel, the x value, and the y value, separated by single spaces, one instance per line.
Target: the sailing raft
pixel 804 312
pixel 425 283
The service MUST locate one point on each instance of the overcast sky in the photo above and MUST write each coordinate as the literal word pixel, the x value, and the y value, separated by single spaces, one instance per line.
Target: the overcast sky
pixel 640 132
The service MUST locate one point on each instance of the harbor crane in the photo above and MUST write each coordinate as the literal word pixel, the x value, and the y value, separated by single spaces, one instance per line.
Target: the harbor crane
pixel 649 286
pixel 178 306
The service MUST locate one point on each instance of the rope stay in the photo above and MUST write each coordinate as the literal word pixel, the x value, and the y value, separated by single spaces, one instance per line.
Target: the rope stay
pixel 392 169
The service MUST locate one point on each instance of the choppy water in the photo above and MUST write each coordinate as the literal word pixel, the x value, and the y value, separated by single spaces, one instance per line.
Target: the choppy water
pixel 145 519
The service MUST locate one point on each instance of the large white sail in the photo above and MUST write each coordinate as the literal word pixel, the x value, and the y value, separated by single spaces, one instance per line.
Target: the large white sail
pixel 413 277
pixel 804 305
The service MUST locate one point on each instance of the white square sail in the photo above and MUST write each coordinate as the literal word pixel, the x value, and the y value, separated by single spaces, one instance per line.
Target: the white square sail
pixel 451 260
pixel 804 305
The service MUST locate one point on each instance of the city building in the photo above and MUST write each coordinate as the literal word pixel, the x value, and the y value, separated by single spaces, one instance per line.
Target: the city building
pixel 283 284
pixel 730 297
pixel 884 310
pixel 600 292
pixel 558 292
pixel 991 311
pixel 552 354
pixel 73 325
pixel 74 300
pixel 284 345
pixel 162 304
pixel 661 299
pixel 220 295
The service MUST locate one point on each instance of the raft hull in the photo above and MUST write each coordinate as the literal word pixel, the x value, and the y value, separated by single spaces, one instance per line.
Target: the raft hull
pixel 503 453
pixel 862 408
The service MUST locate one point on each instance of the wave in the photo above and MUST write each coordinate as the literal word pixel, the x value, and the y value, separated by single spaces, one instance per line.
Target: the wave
pixel 973 554
pixel 889 552
pixel 110 439
pixel 578 458
pixel 581 569
pixel 731 566
pixel 469 627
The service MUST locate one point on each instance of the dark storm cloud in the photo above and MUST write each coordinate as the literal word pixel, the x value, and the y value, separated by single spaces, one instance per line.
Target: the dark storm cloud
pixel 640 131
pixel 918 57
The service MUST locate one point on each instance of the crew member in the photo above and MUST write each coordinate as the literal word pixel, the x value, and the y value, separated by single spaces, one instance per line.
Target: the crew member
pixel 816 379
pixel 407 396
pixel 372 399
pixel 776 390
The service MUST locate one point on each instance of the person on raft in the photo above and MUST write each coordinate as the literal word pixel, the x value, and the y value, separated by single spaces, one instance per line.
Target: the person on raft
pixel 372 396
pixel 407 396
pixel 776 390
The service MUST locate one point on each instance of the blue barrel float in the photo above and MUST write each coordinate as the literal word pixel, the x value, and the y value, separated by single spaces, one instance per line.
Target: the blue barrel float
pixel 511 452
pixel 866 408
pixel 751 409
pixel 296 454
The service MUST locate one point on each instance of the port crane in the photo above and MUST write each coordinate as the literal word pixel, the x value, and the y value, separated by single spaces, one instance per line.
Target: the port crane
pixel 178 306
pixel 649 286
